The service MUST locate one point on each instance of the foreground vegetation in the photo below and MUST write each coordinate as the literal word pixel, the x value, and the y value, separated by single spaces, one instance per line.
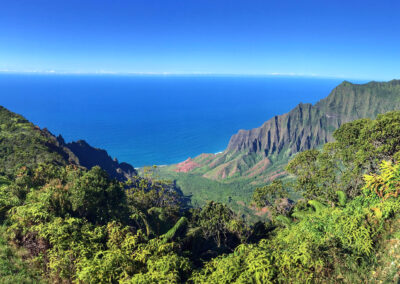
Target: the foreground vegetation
pixel 77 225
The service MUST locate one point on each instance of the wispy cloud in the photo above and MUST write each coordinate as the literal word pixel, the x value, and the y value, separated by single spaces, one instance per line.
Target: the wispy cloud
pixel 164 73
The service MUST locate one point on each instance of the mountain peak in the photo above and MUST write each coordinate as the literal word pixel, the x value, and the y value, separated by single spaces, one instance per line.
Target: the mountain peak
pixel 305 127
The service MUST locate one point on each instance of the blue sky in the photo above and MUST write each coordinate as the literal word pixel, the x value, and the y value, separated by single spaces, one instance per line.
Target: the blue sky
pixel 348 39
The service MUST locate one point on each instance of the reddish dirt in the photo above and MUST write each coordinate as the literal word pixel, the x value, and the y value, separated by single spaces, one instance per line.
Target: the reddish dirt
pixel 258 168
pixel 275 175
pixel 186 166
pixel 216 160
pixel 261 211
pixel 258 211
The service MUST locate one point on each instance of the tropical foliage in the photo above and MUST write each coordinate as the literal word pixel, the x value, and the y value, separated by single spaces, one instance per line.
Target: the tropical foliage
pixel 63 223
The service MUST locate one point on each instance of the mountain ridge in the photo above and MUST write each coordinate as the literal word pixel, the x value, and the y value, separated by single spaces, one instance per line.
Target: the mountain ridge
pixel 251 153
pixel 24 144
pixel 89 156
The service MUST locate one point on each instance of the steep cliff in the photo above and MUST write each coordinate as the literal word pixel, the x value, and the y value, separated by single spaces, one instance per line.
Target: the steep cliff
pixel 89 157
pixel 24 144
pixel 251 153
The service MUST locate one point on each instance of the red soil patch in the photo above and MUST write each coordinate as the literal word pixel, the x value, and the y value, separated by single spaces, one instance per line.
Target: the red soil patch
pixel 258 211
pixel 186 166
pixel 275 175
pixel 216 160
pixel 258 168
pixel 261 211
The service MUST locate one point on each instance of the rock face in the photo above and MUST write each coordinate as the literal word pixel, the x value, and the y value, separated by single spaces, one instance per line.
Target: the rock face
pixel 308 126
pixel 252 152
pixel 89 157
pixel 24 144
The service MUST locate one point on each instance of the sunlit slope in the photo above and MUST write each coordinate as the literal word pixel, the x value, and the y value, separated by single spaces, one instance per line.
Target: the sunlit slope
pixel 260 154
pixel 23 144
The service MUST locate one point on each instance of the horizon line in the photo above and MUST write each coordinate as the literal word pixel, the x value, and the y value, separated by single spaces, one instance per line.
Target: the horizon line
pixel 112 73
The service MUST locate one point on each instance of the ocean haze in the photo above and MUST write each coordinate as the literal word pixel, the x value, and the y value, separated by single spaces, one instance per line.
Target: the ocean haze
pixel 146 120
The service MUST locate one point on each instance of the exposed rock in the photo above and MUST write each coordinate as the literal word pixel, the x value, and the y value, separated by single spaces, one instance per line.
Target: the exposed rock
pixel 251 152
pixel 18 134
pixel 89 157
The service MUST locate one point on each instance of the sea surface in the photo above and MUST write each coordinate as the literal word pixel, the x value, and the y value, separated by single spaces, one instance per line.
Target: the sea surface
pixel 147 120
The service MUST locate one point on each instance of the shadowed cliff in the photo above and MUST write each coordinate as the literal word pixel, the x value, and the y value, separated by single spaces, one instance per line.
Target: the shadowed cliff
pixel 24 144
pixel 90 156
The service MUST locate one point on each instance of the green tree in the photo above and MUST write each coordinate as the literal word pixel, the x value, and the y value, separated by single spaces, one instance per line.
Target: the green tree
pixel 358 149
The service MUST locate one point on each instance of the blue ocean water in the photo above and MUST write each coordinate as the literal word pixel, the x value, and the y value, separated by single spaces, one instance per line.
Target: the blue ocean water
pixel 146 120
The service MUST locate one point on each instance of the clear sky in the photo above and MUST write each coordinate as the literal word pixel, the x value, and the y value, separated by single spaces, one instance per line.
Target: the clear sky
pixel 349 39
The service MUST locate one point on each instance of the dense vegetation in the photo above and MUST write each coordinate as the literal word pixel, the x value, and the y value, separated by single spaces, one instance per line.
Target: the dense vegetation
pixel 23 144
pixel 346 228
pixel 64 223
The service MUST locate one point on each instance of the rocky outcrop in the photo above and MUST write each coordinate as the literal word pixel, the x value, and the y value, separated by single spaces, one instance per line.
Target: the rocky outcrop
pixel 252 152
pixel 25 144
pixel 82 154
pixel 89 157
pixel 308 126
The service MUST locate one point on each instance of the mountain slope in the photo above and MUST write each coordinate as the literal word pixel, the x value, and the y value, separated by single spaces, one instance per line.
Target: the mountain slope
pixel 260 153
pixel 89 157
pixel 24 144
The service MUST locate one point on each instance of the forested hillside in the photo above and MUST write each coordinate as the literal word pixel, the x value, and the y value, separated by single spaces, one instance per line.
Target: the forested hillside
pixel 24 144
pixel 64 223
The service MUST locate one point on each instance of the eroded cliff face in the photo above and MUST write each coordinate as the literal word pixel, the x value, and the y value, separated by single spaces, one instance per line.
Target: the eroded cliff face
pixel 82 154
pixel 252 152
pixel 300 129
pixel 88 157
pixel 24 144
pixel 308 126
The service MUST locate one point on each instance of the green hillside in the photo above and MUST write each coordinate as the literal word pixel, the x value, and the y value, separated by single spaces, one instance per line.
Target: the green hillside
pixel 64 223
pixel 24 144
pixel 256 157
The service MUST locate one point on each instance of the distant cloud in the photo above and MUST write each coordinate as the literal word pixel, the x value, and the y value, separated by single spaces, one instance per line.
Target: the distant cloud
pixel 107 72
pixel 294 74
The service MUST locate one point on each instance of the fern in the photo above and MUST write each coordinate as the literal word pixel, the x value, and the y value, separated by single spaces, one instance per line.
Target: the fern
pixel 179 226
pixel 318 206
pixel 342 197
pixel 286 221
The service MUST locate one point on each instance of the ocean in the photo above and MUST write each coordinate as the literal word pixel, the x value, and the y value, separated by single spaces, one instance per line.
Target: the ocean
pixel 155 120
